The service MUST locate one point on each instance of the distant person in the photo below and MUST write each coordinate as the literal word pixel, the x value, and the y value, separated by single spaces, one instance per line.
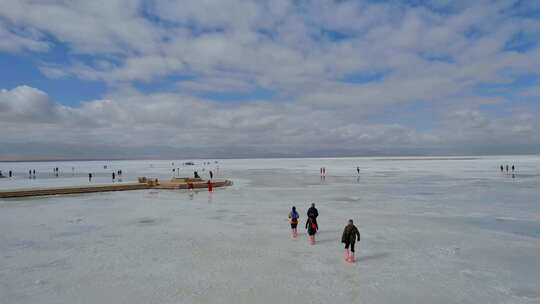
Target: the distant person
pixel 34 173
pixel 311 227
pixel 196 174
pixel 513 168
pixel 293 220
pixel 324 171
pixel 30 173
pixel 349 237
pixel 502 168
pixel 211 174
pixel 321 170
pixel 113 176
pixel 313 213
pixel 89 177
pixel 506 168
pixel 1 175
pixel 358 170
pixel 10 173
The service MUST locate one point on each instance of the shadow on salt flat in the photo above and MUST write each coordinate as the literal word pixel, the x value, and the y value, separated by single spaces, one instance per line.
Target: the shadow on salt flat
pixel 148 221
pixel 375 256
pixel 518 227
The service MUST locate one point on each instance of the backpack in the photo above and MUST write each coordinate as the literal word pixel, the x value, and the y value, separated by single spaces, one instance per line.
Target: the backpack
pixel 294 217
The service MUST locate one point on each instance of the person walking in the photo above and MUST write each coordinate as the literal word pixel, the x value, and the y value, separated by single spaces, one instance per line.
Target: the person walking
pixel 358 170
pixel 349 237
pixel 293 220
pixel 502 169
pixel 311 227
pixel 313 213
pixel 211 174
pixel 513 168
pixel 89 177
pixel 10 173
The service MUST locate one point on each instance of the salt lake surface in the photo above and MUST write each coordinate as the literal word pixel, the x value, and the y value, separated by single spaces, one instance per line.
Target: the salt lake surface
pixel 434 230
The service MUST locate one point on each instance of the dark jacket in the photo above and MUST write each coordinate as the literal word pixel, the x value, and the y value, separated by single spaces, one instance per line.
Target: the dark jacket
pixel 311 226
pixel 313 212
pixel 350 234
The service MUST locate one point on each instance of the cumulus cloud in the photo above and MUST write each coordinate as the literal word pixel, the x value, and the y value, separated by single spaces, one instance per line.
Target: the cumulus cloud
pixel 27 104
pixel 176 125
pixel 333 70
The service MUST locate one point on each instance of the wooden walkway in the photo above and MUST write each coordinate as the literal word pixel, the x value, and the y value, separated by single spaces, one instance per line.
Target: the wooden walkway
pixel 110 187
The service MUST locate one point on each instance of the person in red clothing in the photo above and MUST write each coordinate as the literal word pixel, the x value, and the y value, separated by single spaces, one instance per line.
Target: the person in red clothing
pixel 311 227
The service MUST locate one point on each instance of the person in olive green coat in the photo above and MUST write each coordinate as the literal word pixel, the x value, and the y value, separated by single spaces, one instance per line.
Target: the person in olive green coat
pixel 349 237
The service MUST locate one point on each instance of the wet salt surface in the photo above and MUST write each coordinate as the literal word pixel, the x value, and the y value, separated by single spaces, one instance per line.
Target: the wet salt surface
pixel 433 231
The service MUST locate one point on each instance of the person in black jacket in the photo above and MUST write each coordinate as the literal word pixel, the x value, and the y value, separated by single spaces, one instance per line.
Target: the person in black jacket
pixel 311 227
pixel 313 213
pixel 349 237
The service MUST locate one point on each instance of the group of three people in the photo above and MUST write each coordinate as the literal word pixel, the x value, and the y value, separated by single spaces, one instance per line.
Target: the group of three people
pixel 349 237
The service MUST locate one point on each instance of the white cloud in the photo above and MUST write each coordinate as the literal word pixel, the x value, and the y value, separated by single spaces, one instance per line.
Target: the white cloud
pixel 311 55
pixel 23 40
pixel 26 104
pixel 171 122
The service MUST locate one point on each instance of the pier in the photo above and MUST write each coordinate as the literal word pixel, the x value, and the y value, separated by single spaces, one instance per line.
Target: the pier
pixel 142 184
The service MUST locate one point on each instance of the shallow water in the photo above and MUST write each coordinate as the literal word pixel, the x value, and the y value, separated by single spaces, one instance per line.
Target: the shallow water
pixel 434 230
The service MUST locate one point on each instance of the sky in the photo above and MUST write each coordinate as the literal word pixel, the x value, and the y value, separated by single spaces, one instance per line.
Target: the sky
pixel 238 78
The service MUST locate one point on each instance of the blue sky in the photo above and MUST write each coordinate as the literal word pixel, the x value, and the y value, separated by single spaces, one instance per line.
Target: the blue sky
pixel 278 77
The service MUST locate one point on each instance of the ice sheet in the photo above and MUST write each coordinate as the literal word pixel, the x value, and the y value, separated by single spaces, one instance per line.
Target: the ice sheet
pixel 434 230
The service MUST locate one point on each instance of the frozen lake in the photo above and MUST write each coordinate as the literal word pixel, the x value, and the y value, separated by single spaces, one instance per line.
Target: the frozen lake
pixel 434 230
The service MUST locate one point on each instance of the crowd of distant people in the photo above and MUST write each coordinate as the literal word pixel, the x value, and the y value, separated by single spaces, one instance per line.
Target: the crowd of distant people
pixel 502 167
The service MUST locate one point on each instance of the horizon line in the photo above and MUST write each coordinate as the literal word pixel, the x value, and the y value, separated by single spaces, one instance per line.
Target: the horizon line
pixel 275 157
